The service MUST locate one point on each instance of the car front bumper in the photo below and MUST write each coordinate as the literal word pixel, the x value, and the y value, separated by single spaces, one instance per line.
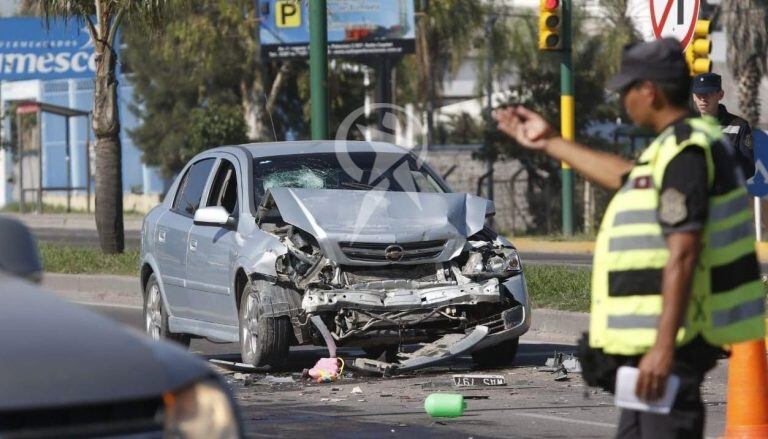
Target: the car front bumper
pixel 510 323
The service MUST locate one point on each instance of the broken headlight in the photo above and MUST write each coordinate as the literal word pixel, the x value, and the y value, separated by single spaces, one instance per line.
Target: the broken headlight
pixel 499 261
pixel 502 263
pixel 204 410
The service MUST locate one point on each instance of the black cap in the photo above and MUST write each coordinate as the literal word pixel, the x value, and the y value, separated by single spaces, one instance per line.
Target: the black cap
pixel 707 83
pixel 656 60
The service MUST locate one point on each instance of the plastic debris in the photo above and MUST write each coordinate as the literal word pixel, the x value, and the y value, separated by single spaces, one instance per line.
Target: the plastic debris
pixel 270 379
pixel 326 370
pixel 357 390
pixel 445 405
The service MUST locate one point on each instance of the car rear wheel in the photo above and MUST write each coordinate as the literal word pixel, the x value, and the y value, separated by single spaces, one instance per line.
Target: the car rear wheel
pixel 264 341
pixel 156 317
pixel 502 354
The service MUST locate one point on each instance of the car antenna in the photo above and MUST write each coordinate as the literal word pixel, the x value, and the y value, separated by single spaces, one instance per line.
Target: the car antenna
pixel 266 107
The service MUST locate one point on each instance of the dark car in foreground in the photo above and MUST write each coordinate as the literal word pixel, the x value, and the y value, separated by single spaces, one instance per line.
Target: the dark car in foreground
pixel 66 372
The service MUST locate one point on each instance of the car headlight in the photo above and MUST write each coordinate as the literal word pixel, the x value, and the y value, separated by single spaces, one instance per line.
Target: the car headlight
pixel 513 260
pixel 509 261
pixel 203 410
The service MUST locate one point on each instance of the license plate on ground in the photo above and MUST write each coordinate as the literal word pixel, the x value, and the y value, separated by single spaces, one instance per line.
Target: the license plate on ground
pixel 479 380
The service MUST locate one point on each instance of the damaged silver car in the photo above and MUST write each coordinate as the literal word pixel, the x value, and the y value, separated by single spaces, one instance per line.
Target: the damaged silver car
pixel 280 244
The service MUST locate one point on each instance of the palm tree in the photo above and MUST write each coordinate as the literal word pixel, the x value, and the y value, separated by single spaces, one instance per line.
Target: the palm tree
pixel 745 22
pixel 444 37
pixel 103 19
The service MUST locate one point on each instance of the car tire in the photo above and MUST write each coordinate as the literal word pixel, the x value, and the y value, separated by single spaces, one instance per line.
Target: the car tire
pixel 156 316
pixel 502 354
pixel 264 341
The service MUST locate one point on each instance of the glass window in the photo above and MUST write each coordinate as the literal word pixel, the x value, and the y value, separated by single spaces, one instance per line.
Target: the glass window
pixel 363 171
pixel 224 188
pixel 191 190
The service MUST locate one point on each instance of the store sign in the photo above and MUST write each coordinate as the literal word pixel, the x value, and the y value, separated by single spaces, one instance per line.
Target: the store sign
pixel 30 49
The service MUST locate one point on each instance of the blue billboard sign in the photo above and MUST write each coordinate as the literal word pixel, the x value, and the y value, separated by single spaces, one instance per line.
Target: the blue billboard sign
pixel 30 49
pixel 355 27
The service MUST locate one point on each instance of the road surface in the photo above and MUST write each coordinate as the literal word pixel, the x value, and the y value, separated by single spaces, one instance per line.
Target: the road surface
pixel 532 405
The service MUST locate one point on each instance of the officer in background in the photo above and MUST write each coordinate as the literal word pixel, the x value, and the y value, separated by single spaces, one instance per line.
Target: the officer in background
pixel 707 93
pixel 675 275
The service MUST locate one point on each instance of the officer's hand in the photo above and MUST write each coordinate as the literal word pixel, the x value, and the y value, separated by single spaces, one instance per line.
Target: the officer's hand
pixel 655 367
pixel 525 126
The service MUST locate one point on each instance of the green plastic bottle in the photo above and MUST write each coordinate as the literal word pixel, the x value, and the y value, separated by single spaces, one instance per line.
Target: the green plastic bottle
pixel 445 405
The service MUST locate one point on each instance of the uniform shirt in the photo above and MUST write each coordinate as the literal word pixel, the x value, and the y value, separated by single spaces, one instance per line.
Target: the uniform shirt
pixel 738 132
pixel 684 193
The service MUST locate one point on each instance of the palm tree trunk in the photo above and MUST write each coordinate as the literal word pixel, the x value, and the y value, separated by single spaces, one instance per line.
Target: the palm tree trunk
pixel 109 180
pixel 749 92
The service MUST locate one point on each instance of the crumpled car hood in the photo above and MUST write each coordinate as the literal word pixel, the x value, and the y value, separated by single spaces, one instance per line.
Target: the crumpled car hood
pixel 333 216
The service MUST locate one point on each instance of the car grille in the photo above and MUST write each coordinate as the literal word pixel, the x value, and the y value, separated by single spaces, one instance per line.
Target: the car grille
pixel 378 252
pixel 122 419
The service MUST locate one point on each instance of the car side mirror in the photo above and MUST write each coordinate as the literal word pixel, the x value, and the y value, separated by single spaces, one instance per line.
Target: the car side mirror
pixel 214 216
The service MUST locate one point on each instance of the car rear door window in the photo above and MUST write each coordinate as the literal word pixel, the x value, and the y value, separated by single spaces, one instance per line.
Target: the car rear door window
pixel 191 189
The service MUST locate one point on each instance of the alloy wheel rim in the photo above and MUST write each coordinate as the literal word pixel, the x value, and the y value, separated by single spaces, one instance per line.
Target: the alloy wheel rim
pixel 248 327
pixel 152 315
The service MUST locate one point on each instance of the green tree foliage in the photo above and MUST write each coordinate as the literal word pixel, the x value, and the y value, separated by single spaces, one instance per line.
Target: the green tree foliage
pixel 188 85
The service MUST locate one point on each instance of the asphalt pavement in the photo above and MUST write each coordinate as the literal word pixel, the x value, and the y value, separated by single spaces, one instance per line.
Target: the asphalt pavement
pixel 531 405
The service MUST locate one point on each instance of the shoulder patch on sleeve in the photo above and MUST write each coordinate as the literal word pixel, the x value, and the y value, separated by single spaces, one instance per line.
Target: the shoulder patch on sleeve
pixel 672 208
pixel 748 140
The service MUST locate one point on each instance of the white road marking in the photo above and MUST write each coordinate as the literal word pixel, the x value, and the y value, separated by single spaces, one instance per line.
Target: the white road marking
pixel 557 418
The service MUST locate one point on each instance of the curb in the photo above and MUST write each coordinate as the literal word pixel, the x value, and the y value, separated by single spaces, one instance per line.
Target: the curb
pixel 106 289
pixel 551 324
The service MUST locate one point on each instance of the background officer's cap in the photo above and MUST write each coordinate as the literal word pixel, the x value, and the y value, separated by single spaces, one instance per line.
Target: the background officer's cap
pixel 707 83
pixel 656 60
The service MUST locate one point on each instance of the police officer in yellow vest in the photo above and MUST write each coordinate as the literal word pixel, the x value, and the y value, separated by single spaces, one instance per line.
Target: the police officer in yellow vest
pixel 675 275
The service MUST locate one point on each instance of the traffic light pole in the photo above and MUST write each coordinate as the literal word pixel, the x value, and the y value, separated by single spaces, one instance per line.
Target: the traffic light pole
pixel 567 116
pixel 318 68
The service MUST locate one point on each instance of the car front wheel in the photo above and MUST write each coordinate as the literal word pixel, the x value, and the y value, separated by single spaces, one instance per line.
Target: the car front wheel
pixel 156 317
pixel 264 341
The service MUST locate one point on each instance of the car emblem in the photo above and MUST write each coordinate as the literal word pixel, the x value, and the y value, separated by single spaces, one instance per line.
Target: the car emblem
pixel 394 253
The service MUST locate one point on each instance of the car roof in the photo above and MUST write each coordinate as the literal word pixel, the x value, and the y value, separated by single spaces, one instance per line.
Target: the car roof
pixel 271 149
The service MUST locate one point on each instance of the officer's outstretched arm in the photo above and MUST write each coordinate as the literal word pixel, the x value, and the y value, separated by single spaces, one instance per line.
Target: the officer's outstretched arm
pixel 530 130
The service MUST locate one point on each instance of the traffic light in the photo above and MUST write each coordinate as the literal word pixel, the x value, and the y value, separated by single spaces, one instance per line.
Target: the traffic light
pixel 697 52
pixel 550 25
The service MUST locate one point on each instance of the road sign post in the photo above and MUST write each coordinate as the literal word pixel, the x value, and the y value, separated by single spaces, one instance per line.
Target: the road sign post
pixel 567 116
pixel 318 68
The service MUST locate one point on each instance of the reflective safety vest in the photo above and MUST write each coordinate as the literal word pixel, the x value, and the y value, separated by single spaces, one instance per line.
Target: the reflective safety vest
pixel 727 300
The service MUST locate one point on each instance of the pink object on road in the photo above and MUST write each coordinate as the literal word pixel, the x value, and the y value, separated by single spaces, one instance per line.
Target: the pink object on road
pixel 327 370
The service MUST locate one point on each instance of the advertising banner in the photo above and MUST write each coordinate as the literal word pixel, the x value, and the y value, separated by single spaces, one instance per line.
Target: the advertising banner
pixel 355 28
pixel 30 49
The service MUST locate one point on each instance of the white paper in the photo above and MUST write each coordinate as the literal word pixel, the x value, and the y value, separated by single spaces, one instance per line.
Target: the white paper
pixel 626 382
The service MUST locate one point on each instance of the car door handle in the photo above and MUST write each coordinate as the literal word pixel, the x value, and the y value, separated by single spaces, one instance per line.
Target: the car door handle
pixel 161 236
pixel 193 244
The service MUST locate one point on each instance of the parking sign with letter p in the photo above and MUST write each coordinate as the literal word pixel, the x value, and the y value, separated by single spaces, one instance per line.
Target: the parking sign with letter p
pixel 287 13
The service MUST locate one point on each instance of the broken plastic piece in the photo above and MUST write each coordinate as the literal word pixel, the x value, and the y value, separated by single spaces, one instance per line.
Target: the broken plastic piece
pixel 320 325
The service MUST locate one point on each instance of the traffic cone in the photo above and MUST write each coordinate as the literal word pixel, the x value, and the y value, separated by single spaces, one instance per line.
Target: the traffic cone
pixel 747 411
